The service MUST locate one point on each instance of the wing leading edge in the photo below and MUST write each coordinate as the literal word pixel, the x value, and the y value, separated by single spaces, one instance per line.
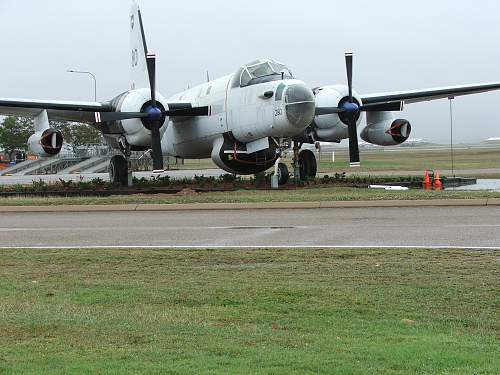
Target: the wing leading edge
pixel 88 112
pixel 416 96
pixel 57 110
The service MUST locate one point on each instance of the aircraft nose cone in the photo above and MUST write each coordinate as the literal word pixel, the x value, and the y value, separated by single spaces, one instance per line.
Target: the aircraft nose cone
pixel 300 107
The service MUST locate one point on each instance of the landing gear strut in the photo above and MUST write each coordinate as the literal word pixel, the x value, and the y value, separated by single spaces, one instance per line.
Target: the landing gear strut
pixel 296 162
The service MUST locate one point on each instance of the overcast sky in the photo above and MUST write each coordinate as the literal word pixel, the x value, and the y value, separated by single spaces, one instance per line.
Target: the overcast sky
pixel 397 44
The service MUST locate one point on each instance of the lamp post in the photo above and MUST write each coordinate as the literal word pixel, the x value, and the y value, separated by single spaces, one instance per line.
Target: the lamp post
pixel 93 77
pixel 451 98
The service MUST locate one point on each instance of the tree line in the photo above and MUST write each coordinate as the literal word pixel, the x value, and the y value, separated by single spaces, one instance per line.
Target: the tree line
pixel 15 131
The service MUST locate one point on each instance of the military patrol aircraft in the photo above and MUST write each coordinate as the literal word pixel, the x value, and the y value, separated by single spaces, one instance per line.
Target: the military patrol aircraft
pixel 243 121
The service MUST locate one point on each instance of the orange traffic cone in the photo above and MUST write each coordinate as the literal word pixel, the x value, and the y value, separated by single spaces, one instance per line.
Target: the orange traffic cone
pixel 438 185
pixel 427 181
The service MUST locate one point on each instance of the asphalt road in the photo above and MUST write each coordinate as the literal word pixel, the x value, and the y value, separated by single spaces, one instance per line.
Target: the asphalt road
pixel 425 226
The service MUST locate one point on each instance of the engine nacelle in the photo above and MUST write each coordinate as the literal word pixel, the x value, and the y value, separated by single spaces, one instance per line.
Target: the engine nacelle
pixel 383 129
pixel 136 131
pixel 332 127
pixel 46 143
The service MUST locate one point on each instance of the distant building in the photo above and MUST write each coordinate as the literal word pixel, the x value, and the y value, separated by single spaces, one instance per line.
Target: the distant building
pixel 415 142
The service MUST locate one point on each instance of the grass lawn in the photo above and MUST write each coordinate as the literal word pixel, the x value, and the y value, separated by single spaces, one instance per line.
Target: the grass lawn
pixel 394 159
pixel 249 196
pixel 413 160
pixel 249 312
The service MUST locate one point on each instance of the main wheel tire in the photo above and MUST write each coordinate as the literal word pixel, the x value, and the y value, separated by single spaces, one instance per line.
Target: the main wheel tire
pixel 283 174
pixel 118 170
pixel 308 165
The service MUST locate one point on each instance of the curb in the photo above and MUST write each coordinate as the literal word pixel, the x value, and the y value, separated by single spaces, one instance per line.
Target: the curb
pixel 258 206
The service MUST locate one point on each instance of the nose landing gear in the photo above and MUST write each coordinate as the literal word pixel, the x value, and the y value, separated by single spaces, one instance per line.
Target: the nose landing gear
pixel 283 174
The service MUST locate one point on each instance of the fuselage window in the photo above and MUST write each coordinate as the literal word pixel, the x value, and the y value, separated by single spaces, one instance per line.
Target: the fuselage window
pixel 279 92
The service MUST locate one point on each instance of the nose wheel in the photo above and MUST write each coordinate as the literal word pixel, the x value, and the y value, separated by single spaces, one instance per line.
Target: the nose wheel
pixel 283 174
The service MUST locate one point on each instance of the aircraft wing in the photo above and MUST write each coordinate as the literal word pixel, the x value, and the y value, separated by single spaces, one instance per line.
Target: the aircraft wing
pixel 57 110
pixel 416 96
pixel 89 112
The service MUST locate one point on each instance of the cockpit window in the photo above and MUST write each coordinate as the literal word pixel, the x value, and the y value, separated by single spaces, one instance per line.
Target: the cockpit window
pixel 263 71
pixel 245 78
pixel 281 68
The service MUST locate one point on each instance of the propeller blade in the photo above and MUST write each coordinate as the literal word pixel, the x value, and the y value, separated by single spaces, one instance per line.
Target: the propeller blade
pixel 156 148
pixel 101 117
pixel 151 63
pixel 353 144
pixel 328 110
pixel 383 107
pixel 348 63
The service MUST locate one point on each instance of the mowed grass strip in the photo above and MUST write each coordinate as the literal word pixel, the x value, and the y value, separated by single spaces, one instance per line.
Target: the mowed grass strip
pixel 414 159
pixel 247 312
pixel 254 196
pixel 393 159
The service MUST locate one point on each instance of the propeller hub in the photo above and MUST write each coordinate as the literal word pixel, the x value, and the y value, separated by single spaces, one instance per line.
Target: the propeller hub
pixel 351 108
pixel 154 113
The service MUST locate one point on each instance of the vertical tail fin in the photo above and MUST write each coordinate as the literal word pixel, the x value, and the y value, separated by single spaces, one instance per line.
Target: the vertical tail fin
pixel 139 49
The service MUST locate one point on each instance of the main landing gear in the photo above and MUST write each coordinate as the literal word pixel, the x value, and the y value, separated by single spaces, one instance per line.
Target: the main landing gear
pixel 119 168
pixel 304 163
pixel 308 166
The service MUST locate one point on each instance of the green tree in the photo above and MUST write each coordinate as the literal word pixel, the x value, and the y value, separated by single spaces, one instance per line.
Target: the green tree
pixel 14 134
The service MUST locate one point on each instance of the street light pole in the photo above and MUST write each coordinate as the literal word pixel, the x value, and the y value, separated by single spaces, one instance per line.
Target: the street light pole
pixel 451 136
pixel 93 77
